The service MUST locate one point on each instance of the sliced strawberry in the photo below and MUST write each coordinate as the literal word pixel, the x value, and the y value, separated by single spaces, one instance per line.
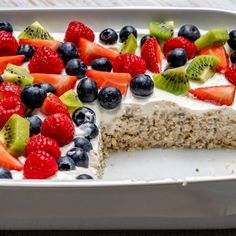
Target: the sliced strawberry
pixel 15 60
pixel 220 95
pixel 61 83
pixel 220 52
pixel 89 51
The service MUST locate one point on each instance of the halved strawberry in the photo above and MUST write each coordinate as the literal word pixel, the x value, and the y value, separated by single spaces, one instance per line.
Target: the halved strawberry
pixel 37 43
pixel 15 60
pixel 61 83
pixel 220 95
pixel 89 51
pixel 220 52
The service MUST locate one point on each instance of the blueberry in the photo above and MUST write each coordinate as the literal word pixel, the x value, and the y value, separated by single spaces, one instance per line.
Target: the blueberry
pixel 144 38
pixel 67 51
pixel 233 57
pixel 27 50
pixel 232 39
pixel 83 114
pixel 88 130
pixel 6 26
pixel 84 176
pixel 35 124
pixel 142 85
pixel 177 57
pixel 76 67
pixel 126 31
pixel 109 97
pixel 190 32
pixel 48 87
pixel 33 95
pixel 83 143
pixel 108 36
pixel 5 173
pixel 79 157
pixel 87 90
pixel 65 163
pixel 101 64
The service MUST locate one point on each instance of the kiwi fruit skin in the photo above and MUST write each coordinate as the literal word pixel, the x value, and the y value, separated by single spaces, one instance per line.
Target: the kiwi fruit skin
pixel 202 68
pixel 15 135
pixel 35 31
pixel 212 37
pixel 17 75
pixel 172 80
pixel 129 45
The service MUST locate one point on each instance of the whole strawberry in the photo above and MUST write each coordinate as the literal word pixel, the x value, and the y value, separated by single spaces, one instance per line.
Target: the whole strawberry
pixel 8 44
pixel 230 74
pixel 59 127
pixel 45 60
pixel 10 87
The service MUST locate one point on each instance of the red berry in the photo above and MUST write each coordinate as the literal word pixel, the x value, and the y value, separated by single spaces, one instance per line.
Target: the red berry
pixel 180 42
pixel 10 87
pixel 43 143
pixel 129 63
pixel 40 165
pixel 59 127
pixel 8 44
pixel 45 60
pixel 230 74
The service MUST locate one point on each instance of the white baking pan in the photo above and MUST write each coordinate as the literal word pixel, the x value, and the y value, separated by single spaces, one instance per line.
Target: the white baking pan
pixel 154 189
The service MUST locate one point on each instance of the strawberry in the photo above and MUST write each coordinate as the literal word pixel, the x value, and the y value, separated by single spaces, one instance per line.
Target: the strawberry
pixel 220 95
pixel 59 127
pixel 45 60
pixel 8 44
pixel 129 63
pixel 220 52
pixel 40 142
pixel 230 74
pixel 180 42
pixel 151 53
pixel 89 51
pixel 52 104
pixel 15 60
pixel 10 87
pixel 40 165
pixel 105 79
pixel 76 30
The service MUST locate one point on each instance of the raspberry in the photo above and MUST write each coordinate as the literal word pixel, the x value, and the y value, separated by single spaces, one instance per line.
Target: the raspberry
pixel 40 165
pixel 76 30
pixel 180 42
pixel 45 60
pixel 40 142
pixel 10 87
pixel 8 44
pixel 230 74
pixel 59 127
pixel 129 63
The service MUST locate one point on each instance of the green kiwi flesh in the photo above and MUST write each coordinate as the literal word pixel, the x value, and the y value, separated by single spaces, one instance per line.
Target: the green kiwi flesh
pixel 71 101
pixel 129 45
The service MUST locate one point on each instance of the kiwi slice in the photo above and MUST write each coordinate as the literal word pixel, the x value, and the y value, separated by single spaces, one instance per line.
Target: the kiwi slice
pixel 172 80
pixel 15 134
pixel 162 30
pixel 129 45
pixel 17 75
pixel 71 100
pixel 35 31
pixel 212 37
pixel 202 68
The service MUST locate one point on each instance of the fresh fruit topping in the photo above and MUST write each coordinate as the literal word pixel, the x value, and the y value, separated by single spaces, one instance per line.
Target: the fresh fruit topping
pixel 162 30
pixel 129 45
pixel 126 31
pixel 220 95
pixel 45 60
pixel 10 87
pixel 88 130
pixel 232 39
pixel 67 51
pixel 83 114
pixel 177 57
pixel 221 54
pixel 33 95
pixel 76 30
pixel 190 32
pixel 35 31
pixel 71 100
pixel 52 104
pixel 151 53
pixel 180 42
pixel 172 80
pixel 230 74
pixel 101 64
pixel 108 36
pixel 233 57
pixel 79 156
pixel 89 51
pixel 43 143
pixel 83 144
pixel 61 83
pixel 35 124
pixel 6 26
pixel 47 87
pixel 27 50
pixel 59 127
pixel 145 38
pixel 8 44
pixel 76 67
pixel 87 90
pixel 129 63
pixel 109 97
pixel 84 177
pixel 5 173
pixel 40 165
pixel 212 38
pixel 202 68
pixel 142 85
pixel 65 163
